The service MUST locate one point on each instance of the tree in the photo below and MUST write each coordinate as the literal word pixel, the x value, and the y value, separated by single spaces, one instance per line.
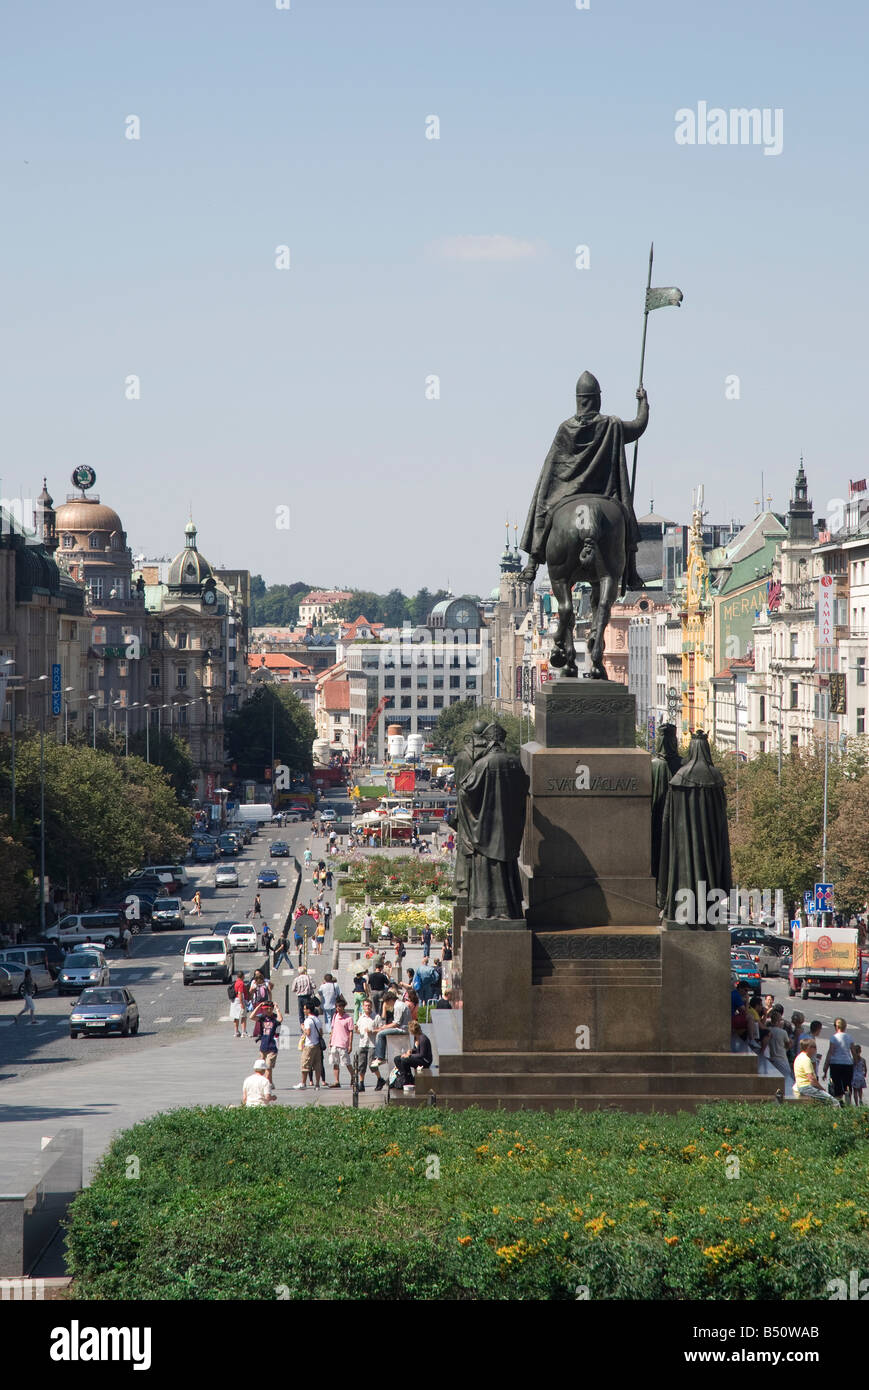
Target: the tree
pixel 395 608
pixel 456 721
pixel 848 846
pixel 249 732
pixel 777 842
pixel 172 754
pixel 17 888
pixel 278 605
pixel 361 603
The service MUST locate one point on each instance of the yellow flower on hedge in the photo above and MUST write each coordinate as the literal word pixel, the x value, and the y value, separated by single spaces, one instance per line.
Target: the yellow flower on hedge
pixel 465 1240
pixel 671 1240
pixel 496 1211
pixel 702 1211
pixel 772 1235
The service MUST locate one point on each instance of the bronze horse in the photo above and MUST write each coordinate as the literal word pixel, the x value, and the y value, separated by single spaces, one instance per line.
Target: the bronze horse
pixel 586 543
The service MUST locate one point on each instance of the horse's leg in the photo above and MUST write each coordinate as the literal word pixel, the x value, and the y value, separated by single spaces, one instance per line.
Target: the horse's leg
pixel 608 586
pixel 563 653
pixel 595 602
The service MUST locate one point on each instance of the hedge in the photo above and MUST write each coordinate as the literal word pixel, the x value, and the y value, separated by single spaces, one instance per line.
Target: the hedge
pixel 735 1202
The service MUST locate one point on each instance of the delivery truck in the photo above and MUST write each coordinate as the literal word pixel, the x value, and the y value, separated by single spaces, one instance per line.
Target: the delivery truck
pixel 825 960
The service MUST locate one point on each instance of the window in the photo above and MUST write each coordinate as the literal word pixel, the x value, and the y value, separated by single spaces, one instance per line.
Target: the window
pixel 437 702
pixel 155 677
pixel 861 719
pixel 454 699
pixel 155 641
pixel 68 542
pixel 182 641
pixel 763 709
pixel 795 741
pixel 405 702
pixel 795 638
pixel 455 682
pixel 96 588
pixel 438 682
pixel 405 682
pixel 116 541
pixel 795 695
pixel 389 682
pixel 471 682
pixel 861 670
pixel 422 702
pixel 95 542
pixel 182 715
pixel 422 682
pixel 182 677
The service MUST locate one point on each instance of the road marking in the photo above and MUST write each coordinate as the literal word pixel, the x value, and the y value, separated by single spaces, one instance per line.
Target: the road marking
pixel 177 975
pixel 163 1020
pixel 197 1018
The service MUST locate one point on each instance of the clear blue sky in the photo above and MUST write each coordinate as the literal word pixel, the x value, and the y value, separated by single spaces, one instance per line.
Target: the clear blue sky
pixel 305 388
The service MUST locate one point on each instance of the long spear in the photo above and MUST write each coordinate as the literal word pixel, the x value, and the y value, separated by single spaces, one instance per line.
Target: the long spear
pixel 655 299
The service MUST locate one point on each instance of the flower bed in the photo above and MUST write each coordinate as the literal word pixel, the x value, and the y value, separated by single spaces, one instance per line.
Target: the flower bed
pixel 401 917
pixel 736 1202
pixel 384 876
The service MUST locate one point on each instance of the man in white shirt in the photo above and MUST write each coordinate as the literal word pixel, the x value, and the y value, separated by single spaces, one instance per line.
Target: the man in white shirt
pixel 257 1089
pixel 311 1052
pixel 366 1026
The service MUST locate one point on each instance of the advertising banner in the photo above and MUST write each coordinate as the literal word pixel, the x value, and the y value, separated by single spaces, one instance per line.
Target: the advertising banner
pixel 826 625
pixel 831 949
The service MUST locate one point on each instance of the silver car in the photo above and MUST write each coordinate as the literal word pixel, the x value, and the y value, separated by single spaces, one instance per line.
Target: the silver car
pixel 82 969
pixel 226 876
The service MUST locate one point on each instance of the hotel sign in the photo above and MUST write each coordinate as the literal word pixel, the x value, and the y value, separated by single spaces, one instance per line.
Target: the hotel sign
pixel 826 625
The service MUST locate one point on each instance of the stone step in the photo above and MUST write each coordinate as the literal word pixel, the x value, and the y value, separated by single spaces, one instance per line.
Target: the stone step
pixel 598 1063
pixel 613 1083
pixel 665 1105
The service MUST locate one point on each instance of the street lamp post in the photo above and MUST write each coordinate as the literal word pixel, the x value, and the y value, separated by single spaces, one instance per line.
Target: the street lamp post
pixel 13 690
pixel 68 690
pixel 94 699
pixel 42 810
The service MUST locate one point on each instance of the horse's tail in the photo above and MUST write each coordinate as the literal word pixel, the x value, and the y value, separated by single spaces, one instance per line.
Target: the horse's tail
pixel 589 552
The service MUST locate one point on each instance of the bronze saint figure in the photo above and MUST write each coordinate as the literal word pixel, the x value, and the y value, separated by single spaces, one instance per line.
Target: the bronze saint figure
pixel 491 796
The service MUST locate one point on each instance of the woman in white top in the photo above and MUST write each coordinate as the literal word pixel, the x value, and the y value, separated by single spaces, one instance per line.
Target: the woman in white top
pixel 839 1062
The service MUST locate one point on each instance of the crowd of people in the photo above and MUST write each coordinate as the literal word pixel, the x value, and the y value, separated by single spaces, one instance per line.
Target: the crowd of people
pixel 794 1048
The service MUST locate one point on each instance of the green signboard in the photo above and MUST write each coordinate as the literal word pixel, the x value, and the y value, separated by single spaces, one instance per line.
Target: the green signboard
pixel 735 616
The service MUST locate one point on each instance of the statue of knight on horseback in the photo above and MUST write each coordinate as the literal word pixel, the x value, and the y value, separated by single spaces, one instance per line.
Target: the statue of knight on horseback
pixel 582 521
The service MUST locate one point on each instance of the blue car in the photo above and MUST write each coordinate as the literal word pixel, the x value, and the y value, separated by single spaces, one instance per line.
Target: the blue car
pixel 743 967
pixel 268 878
pixel 279 849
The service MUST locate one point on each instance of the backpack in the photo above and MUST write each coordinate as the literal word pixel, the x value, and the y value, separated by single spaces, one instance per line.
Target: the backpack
pixel 230 990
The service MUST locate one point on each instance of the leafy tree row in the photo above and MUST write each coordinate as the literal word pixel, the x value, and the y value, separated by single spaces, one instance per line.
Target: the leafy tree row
pixel 278 605
pixel 456 721
pixel 273 717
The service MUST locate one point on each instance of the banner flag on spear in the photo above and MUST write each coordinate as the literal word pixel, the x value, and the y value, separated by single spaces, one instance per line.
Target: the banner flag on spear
pixel 655 299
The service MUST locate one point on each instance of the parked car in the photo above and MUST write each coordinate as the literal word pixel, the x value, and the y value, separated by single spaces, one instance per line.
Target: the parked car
pixel 16 975
pixel 763 946
pixel 328 814
pixel 242 937
pixel 82 969
pixel 226 876
pixel 744 967
pixel 207 958
pixel 32 958
pixel 204 854
pixel 160 877
pixel 99 928
pixel 54 956
pixel 167 912
pixel 10 982
pixel 268 878
pixel 279 849
pixel 104 1011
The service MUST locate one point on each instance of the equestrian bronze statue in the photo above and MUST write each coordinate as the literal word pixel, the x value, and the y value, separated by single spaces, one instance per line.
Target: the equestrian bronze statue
pixel 582 521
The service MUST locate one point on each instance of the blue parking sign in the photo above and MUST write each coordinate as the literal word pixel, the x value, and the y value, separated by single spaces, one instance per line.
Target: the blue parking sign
pixel 55 688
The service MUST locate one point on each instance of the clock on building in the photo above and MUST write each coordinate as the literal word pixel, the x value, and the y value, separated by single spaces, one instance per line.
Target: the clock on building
pixel 463 615
pixel 84 476
pixel 209 596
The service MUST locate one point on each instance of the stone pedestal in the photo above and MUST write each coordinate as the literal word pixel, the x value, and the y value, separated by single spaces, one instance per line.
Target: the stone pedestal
pixel 496 979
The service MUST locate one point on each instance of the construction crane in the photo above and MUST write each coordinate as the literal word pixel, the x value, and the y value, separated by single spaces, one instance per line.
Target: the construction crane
pixel 374 718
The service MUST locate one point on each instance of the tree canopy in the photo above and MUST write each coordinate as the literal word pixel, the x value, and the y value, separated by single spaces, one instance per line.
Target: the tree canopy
pixel 249 733
pixel 456 721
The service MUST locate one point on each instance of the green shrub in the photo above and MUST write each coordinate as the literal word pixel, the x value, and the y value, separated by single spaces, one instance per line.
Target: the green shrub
pixel 736 1202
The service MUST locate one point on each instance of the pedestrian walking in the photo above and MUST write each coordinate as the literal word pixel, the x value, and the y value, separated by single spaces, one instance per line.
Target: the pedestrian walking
pixel 328 993
pixel 858 1080
pixel 282 950
pixel 329 879
pixel 259 991
pixel 327 915
pixel 303 988
pixel 340 1041
pixel 426 943
pixel 321 935
pixel 29 990
pixel 257 906
pixel 777 1043
pixel 127 941
pixel 267 937
pixel 312 1038
pixel 237 992
pixel 197 904
pixel 270 1018
pixel 308 856
pixel 839 1062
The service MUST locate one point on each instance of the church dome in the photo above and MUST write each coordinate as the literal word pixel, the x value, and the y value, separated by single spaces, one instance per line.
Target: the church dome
pixel 189 569
pixel 82 515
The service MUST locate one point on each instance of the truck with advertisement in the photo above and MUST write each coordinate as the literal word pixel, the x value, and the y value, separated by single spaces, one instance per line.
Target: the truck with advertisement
pixel 826 960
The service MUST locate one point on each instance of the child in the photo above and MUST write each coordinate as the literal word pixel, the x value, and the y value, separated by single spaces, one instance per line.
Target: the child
pixel 858 1081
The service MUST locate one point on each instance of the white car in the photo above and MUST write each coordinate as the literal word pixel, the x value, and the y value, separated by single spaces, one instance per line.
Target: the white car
pixel 328 814
pixel 82 970
pixel 207 958
pixel 226 876
pixel 242 937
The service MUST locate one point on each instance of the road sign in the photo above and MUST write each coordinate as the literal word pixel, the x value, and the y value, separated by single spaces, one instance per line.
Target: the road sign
pixel 823 897
pixel 55 688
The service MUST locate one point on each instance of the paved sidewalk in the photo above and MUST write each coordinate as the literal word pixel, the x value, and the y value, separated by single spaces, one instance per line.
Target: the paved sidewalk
pixel 110 1094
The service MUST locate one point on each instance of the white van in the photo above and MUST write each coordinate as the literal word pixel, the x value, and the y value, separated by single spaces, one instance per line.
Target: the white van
pixel 32 958
pixel 101 928
pixel 207 958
